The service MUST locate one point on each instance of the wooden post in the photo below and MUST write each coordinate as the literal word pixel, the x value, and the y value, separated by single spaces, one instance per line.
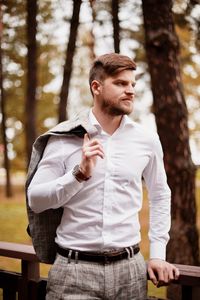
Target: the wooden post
pixel 9 294
pixel 196 293
pixel 30 271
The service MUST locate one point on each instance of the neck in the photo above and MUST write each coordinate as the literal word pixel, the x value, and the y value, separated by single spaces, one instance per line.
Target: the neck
pixel 108 122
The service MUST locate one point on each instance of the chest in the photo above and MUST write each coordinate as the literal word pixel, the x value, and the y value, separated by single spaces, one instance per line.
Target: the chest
pixel 125 157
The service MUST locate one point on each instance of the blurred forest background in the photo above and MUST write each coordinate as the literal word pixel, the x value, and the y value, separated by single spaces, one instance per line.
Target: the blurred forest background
pixel 46 51
pixel 90 33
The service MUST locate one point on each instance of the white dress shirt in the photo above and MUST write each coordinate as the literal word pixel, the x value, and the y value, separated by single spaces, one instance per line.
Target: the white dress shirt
pixel 102 213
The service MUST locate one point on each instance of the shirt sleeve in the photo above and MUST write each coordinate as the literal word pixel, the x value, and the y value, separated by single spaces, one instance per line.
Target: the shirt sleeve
pixel 52 186
pixel 159 202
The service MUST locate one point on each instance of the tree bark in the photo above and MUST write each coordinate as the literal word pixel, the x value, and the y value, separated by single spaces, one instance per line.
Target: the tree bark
pixel 115 22
pixel 62 111
pixel 30 103
pixel 92 40
pixel 162 48
pixel 3 122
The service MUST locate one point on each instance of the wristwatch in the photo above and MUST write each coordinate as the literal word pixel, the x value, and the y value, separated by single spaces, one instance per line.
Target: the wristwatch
pixel 77 173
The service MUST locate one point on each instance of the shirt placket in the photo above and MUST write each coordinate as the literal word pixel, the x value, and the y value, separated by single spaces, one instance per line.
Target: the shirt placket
pixel 108 194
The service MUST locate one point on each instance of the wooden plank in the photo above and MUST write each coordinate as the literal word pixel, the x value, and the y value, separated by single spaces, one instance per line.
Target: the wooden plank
pixel 20 251
pixel 189 275
pixel 193 271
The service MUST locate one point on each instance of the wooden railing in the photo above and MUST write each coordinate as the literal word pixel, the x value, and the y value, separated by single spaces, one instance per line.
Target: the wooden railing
pixel 27 284
pixel 30 286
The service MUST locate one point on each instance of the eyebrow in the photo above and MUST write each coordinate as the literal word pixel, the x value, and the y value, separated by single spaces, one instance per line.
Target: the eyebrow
pixel 125 81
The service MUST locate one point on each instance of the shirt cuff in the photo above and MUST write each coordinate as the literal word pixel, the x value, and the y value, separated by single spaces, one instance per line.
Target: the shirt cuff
pixel 158 250
pixel 70 184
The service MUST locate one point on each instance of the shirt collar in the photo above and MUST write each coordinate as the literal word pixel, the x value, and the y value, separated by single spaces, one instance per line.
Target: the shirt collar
pixel 93 120
pixel 125 122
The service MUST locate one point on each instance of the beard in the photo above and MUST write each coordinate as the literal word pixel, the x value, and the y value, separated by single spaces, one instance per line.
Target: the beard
pixel 115 109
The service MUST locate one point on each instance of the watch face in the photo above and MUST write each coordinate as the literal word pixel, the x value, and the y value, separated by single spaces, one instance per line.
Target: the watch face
pixel 79 175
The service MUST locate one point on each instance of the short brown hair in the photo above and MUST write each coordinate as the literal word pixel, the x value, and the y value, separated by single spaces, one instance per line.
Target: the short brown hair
pixel 109 65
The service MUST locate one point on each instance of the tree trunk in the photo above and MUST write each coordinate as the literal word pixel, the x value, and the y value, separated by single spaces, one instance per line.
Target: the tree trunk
pixel 30 104
pixel 162 48
pixel 115 21
pixel 92 40
pixel 62 112
pixel 3 121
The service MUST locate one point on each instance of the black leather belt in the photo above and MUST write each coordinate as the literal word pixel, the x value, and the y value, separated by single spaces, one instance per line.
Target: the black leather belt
pixel 101 257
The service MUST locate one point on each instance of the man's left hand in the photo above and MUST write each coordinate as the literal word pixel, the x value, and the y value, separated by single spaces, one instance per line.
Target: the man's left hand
pixel 161 272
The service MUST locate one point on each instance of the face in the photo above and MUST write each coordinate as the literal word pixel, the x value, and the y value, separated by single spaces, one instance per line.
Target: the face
pixel 115 95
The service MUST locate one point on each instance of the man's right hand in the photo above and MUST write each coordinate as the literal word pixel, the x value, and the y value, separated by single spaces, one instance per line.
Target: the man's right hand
pixel 90 151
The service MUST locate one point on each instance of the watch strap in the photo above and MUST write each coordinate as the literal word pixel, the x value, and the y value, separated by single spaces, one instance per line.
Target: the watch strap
pixel 77 173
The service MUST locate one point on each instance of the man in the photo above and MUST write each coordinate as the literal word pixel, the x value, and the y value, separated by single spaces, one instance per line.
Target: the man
pixel 98 182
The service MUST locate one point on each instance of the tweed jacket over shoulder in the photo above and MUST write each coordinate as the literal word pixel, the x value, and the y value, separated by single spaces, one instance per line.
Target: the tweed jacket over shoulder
pixel 42 226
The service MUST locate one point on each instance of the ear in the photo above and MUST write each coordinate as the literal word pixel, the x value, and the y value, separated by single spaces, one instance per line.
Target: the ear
pixel 95 87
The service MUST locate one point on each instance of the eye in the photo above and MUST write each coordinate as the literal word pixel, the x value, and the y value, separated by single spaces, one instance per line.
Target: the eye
pixel 120 83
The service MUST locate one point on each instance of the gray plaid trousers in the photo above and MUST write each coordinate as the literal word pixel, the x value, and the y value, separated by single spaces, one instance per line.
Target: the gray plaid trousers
pixel 122 280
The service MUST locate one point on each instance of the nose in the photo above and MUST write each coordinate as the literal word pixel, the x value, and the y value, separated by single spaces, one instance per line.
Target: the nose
pixel 130 89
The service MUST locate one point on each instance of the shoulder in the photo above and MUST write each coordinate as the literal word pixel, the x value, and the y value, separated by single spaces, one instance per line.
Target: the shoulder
pixel 150 135
pixel 66 126
pixel 149 138
pixel 60 146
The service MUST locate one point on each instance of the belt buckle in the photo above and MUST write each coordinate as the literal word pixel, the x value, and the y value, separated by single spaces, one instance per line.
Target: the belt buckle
pixel 110 257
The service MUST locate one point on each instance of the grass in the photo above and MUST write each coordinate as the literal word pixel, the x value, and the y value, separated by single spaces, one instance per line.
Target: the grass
pixel 13 223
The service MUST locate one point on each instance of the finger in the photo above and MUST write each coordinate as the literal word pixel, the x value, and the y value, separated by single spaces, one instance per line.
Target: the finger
pixel 176 273
pixel 171 274
pixel 86 138
pixel 161 276
pixel 152 276
pixel 93 142
pixel 88 142
pixel 93 148
pixel 166 275
pixel 90 154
